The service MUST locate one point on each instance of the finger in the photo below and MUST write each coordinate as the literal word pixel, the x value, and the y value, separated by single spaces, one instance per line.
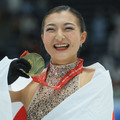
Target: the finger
pixel 22 74
pixel 23 67
pixel 25 62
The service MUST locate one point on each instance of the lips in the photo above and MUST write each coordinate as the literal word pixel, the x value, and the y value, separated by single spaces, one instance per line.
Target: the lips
pixel 61 46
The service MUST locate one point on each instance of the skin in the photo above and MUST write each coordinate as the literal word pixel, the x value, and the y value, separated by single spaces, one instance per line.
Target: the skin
pixel 64 28
pixel 60 28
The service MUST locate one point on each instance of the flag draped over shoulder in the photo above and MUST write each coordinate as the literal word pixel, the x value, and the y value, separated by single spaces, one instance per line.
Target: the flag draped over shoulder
pixel 94 101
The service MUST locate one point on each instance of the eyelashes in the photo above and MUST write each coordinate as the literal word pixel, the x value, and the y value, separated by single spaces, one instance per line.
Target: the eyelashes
pixel 50 29
pixel 65 29
pixel 69 28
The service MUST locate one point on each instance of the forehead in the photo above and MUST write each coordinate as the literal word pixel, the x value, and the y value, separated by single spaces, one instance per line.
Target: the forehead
pixel 61 17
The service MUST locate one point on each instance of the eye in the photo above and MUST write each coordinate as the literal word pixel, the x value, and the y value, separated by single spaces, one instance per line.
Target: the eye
pixel 69 28
pixel 50 29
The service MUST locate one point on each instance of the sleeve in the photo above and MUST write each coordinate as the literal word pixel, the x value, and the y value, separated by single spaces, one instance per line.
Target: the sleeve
pixel 5 101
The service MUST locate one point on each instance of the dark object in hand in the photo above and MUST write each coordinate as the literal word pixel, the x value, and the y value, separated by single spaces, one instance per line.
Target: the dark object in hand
pixel 18 68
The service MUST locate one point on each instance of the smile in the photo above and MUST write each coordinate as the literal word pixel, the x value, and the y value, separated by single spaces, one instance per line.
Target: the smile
pixel 61 46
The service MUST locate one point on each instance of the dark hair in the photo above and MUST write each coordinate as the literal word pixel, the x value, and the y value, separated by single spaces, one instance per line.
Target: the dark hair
pixel 65 8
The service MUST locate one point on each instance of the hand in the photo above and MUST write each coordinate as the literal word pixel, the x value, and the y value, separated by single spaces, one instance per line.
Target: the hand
pixel 16 69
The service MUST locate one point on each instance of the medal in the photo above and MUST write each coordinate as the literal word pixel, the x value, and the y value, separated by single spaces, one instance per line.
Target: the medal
pixel 36 61
pixel 77 70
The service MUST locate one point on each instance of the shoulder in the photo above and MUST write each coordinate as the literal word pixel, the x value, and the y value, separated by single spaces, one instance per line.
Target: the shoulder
pixel 101 75
pixel 96 66
pixel 89 72
pixel 91 69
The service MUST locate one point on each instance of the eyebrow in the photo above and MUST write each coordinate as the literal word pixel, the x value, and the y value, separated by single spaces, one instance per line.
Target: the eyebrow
pixel 68 23
pixel 51 24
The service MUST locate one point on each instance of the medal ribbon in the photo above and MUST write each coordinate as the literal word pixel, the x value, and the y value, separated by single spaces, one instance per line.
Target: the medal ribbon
pixel 78 69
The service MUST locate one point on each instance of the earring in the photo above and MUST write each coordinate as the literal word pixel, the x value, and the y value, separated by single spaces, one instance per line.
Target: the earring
pixel 80 44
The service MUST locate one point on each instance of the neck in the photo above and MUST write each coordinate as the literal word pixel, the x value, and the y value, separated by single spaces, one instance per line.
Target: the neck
pixel 58 71
pixel 63 62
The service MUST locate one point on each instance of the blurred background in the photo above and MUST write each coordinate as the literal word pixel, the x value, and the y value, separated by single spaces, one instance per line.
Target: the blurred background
pixel 20 30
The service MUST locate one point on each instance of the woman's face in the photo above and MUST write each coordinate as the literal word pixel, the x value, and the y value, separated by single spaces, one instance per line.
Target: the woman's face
pixel 62 37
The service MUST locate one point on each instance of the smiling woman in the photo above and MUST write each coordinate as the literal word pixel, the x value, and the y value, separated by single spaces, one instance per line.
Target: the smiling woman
pixel 62 36
pixel 65 90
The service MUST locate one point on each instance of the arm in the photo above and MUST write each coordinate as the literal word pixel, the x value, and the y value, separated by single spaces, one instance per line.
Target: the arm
pixel 9 75
pixel 15 71
pixel 16 96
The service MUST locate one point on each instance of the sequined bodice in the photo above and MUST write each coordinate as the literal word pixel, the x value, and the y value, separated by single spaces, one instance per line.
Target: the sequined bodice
pixel 46 99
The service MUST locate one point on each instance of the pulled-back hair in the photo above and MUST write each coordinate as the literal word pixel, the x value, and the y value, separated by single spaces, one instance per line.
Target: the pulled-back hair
pixel 65 8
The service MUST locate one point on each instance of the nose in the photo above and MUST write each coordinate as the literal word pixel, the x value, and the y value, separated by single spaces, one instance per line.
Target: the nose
pixel 59 35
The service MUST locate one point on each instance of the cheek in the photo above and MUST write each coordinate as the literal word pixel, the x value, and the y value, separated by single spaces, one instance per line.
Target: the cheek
pixel 46 36
pixel 75 46
pixel 73 35
pixel 70 35
pixel 47 39
pixel 47 43
pixel 75 40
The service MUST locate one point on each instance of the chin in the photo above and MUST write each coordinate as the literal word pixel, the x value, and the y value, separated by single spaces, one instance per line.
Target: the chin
pixel 63 59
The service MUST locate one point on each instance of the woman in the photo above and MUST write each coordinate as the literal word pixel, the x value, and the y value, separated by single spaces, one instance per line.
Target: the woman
pixel 66 90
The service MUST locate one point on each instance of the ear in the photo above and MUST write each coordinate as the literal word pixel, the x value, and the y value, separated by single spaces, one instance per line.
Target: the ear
pixel 42 36
pixel 83 37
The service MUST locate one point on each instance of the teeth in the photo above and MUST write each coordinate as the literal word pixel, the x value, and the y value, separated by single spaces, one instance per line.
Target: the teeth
pixel 64 45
